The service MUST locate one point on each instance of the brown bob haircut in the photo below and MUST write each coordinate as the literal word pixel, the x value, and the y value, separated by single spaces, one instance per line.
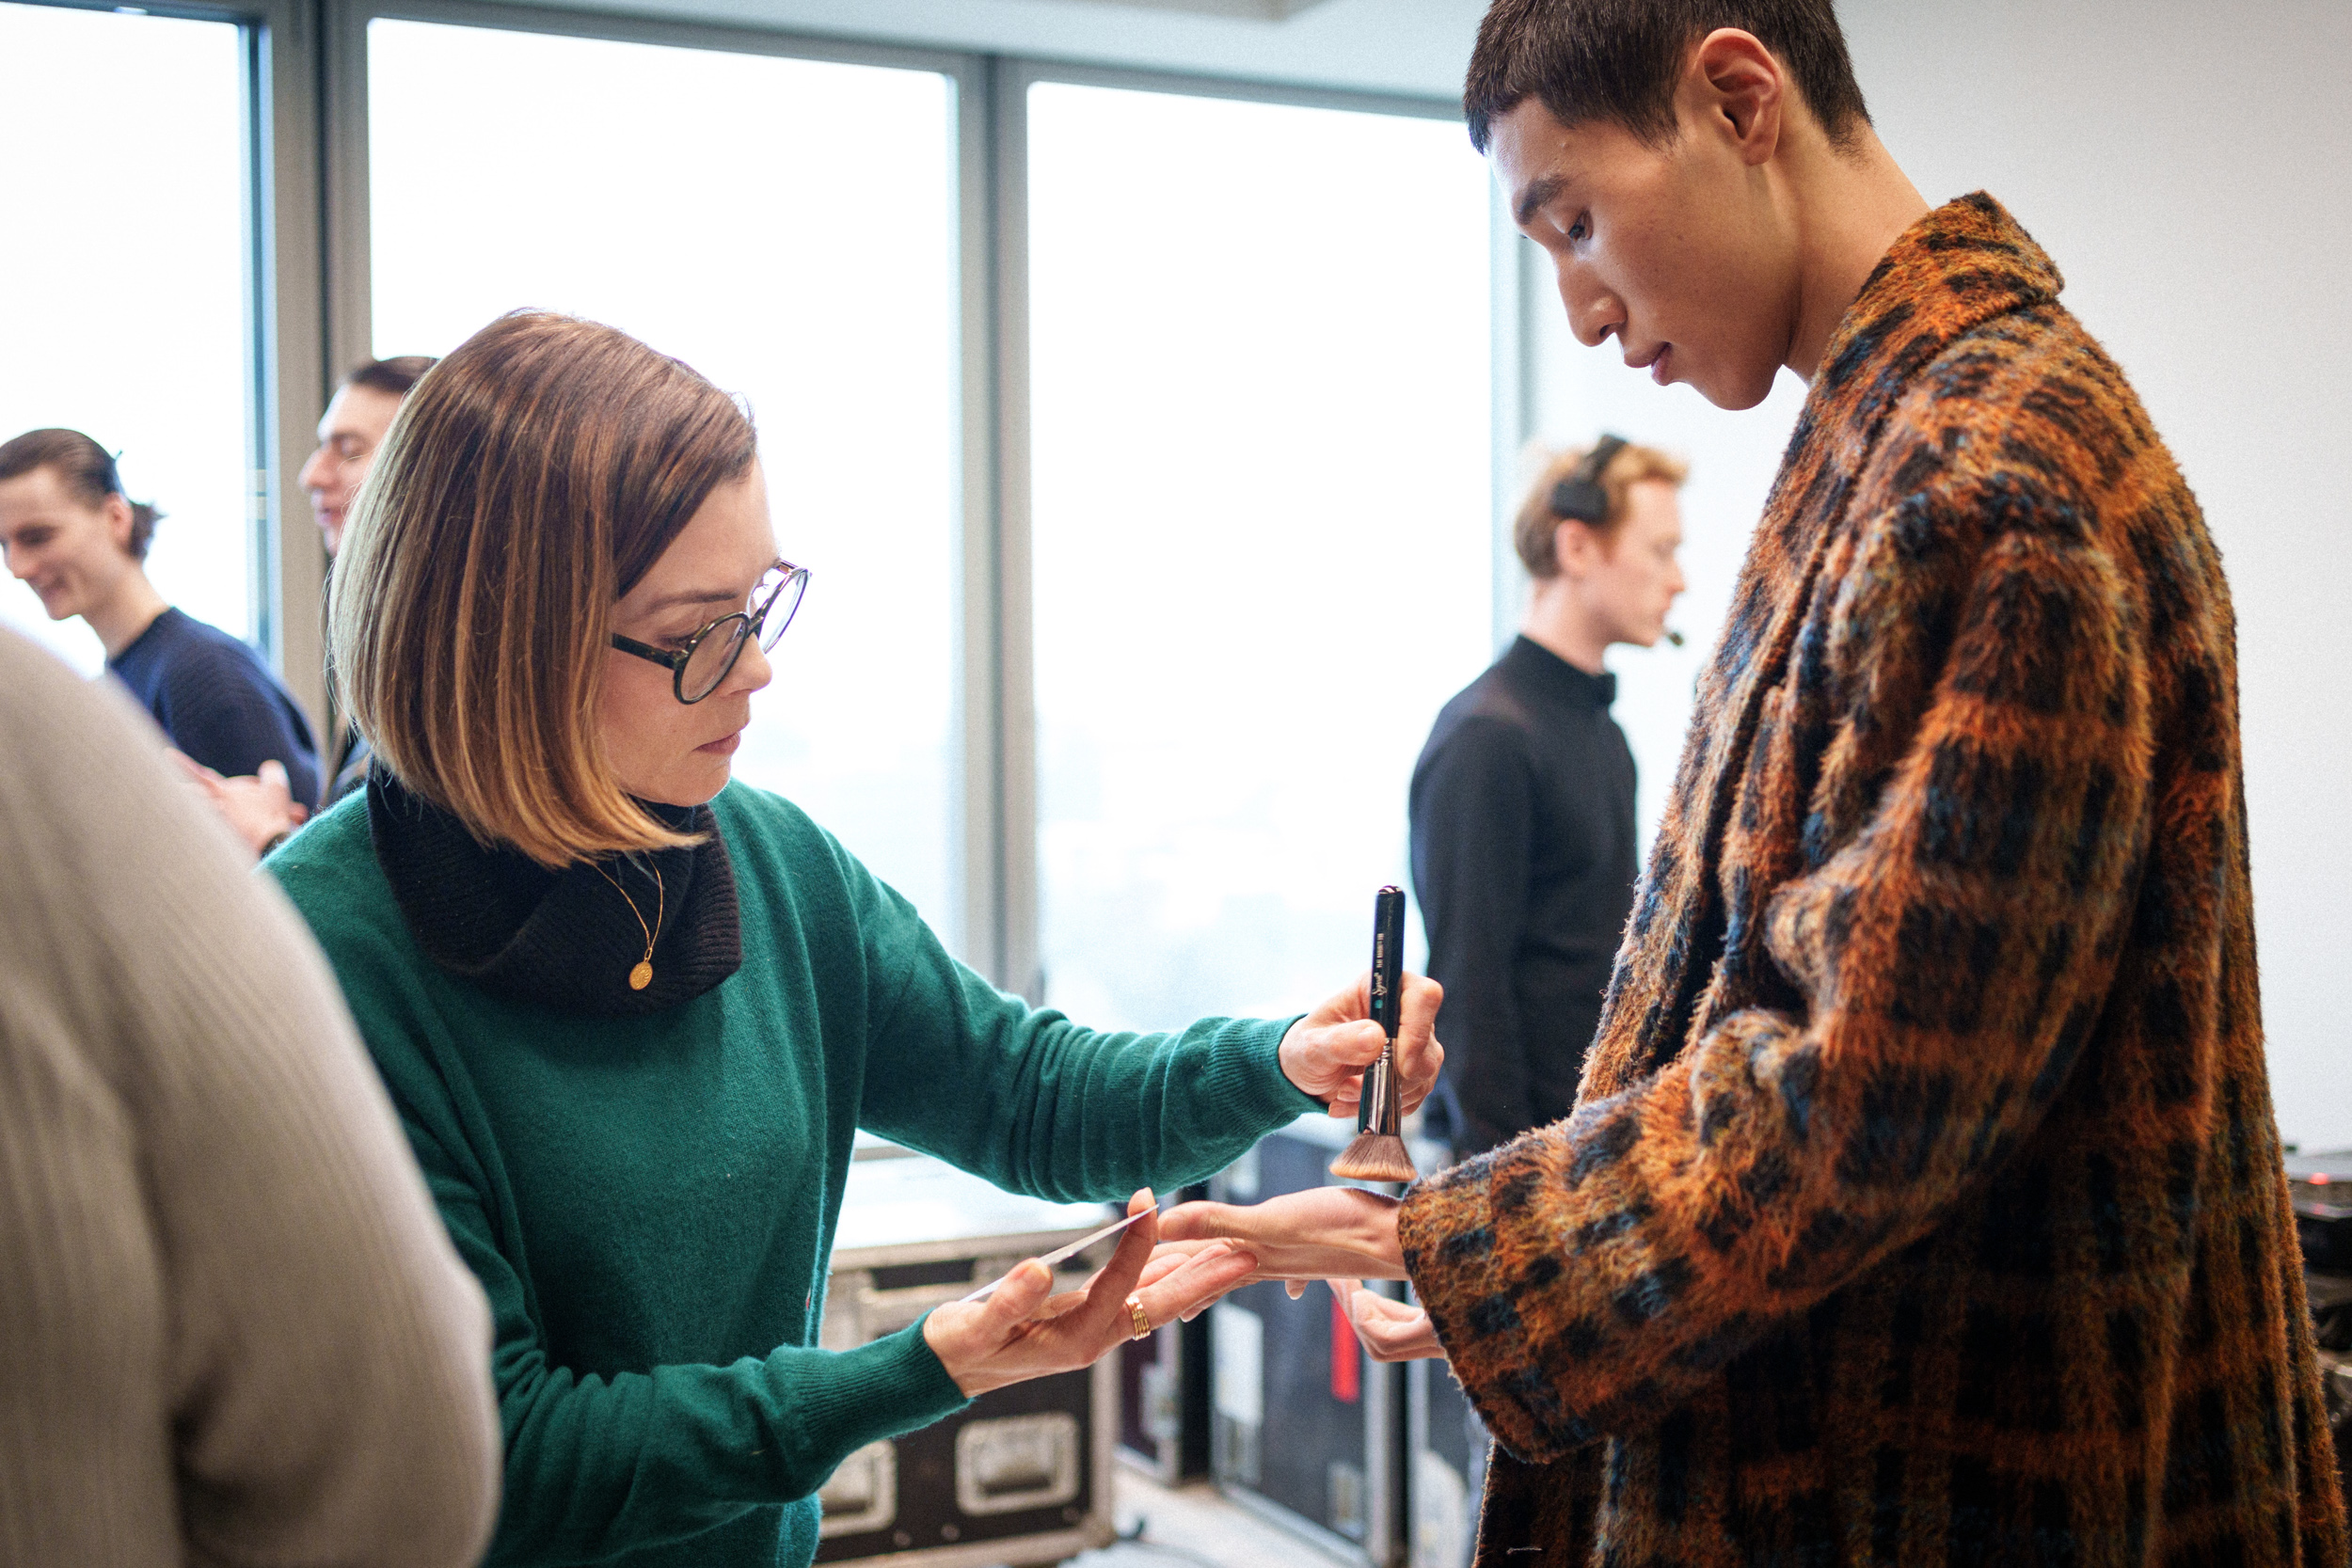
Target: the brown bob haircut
pixel 527 484
pixel 1619 60
pixel 1535 531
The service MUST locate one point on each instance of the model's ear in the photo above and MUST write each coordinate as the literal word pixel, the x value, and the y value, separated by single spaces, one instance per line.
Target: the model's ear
pixel 1736 89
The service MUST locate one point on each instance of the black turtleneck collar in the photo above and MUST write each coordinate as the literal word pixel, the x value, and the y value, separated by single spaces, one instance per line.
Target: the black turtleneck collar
pixel 1531 660
pixel 564 940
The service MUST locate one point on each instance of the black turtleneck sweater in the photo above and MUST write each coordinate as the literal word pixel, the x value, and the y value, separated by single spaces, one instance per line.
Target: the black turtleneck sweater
pixel 561 940
pixel 1524 863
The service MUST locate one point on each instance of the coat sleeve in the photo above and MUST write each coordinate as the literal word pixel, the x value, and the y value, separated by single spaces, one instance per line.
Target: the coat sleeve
pixel 1967 865
pixel 1474 832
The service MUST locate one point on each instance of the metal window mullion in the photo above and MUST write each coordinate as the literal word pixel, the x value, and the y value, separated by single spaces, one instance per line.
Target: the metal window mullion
pixel 344 219
pixel 976 806
pixel 1022 968
pixel 289 321
pixel 261 567
pixel 340 237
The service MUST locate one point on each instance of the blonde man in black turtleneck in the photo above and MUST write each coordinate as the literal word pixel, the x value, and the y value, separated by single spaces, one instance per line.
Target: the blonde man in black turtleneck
pixel 1523 838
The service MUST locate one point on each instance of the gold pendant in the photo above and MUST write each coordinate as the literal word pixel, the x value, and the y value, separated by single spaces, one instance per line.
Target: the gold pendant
pixel 641 977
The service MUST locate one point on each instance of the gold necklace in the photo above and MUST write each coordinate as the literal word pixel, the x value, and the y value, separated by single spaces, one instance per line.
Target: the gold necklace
pixel 641 976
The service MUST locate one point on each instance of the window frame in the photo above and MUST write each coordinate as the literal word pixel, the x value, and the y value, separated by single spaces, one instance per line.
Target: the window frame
pixel 972 919
pixel 284 329
pixel 1021 961
pixel 310 312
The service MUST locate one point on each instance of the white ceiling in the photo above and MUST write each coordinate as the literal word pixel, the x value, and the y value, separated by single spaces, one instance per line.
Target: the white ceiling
pixel 1407 46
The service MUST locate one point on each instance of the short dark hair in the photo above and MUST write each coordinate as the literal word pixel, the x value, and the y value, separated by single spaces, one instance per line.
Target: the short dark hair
pixel 1618 60
pixel 394 376
pixel 88 471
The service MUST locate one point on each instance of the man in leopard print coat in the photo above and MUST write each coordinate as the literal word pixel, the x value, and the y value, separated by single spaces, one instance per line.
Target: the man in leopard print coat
pixel 1923 1200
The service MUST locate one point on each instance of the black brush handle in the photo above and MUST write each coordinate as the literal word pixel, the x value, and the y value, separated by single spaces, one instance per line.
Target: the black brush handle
pixel 1377 1109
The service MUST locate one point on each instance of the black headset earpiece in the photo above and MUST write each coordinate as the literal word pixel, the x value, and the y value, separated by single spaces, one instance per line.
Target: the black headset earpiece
pixel 1580 496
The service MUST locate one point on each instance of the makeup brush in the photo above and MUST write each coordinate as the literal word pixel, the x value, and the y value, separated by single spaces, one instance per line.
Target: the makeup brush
pixel 1378 1152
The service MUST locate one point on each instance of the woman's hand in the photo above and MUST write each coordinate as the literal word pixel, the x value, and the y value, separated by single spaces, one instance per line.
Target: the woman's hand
pixel 1326 1053
pixel 1391 1330
pixel 1322 1233
pixel 259 807
pixel 1025 1331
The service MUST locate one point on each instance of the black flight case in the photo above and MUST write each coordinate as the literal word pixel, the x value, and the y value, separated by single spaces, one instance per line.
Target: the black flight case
pixel 2319 1187
pixel 1023 1475
pixel 1164 1395
pixel 1306 1430
pixel 1441 1472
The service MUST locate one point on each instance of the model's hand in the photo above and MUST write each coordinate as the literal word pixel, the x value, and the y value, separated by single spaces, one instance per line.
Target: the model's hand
pixel 1326 1053
pixel 1391 1330
pixel 1025 1331
pixel 1164 1262
pixel 258 807
pixel 1322 1233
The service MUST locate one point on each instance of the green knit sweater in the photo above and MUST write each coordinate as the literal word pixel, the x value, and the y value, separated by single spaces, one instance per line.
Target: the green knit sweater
pixel 649 1202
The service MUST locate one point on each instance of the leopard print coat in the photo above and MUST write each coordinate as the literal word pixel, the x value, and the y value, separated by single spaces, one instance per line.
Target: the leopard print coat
pixel 1923 1201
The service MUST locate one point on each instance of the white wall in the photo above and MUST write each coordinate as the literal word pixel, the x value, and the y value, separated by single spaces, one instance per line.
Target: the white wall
pixel 2189 169
pixel 1581 392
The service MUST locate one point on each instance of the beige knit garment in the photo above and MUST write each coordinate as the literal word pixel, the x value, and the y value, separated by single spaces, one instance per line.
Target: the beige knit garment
pixel 231 1328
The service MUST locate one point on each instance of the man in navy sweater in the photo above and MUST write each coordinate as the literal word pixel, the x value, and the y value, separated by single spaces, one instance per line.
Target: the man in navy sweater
pixel 68 531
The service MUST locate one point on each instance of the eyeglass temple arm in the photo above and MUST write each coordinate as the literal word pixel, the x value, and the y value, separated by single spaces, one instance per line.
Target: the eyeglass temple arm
pixel 670 656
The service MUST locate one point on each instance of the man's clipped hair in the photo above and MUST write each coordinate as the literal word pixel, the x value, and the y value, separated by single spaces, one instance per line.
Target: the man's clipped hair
pixel 1618 60
pixel 394 377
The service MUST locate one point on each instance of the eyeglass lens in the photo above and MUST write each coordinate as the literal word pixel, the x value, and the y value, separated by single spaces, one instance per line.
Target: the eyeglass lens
pixel 780 591
pixel 712 657
pixel 715 655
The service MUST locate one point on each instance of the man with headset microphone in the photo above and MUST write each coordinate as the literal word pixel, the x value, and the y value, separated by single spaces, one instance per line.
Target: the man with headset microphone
pixel 1523 839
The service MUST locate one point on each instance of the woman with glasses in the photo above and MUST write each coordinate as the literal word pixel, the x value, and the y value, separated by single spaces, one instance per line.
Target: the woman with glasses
pixel 632 1014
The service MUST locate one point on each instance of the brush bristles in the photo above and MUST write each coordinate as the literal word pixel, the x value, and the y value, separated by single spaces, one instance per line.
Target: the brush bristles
pixel 1376 1157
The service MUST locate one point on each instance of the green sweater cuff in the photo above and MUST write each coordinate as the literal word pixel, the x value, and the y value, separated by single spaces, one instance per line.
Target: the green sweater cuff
pixel 1251 1079
pixel 891 1386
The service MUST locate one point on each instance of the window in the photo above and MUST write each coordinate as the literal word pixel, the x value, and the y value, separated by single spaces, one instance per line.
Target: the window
pixel 125 290
pixel 787 227
pixel 1261 521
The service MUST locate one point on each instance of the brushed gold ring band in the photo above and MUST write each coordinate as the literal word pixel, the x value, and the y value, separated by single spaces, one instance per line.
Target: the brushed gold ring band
pixel 1140 1319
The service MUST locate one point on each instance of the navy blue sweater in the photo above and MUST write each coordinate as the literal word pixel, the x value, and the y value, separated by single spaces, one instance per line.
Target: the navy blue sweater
pixel 219 702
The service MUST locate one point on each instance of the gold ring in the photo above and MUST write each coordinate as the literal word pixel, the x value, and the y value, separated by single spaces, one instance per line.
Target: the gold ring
pixel 1136 1316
